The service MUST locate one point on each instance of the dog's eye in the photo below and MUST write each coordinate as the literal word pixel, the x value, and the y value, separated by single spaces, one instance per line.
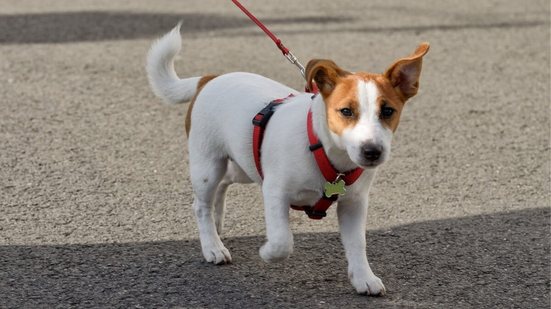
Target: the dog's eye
pixel 346 112
pixel 386 112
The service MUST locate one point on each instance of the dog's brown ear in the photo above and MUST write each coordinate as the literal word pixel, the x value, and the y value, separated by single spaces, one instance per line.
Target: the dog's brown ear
pixel 325 73
pixel 404 73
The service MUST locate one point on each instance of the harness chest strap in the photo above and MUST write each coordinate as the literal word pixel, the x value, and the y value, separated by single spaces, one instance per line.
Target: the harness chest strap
pixel 260 121
pixel 331 175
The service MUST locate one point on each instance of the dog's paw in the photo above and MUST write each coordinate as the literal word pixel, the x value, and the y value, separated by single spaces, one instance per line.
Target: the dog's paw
pixel 367 285
pixel 271 252
pixel 216 254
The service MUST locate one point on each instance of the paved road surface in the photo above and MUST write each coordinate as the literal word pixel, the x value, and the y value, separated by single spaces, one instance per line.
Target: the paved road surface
pixel 95 201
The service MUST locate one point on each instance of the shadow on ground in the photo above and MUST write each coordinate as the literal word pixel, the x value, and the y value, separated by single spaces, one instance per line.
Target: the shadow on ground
pixel 66 27
pixel 492 261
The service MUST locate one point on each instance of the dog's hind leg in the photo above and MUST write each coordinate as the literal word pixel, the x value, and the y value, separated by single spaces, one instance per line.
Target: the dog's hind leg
pixel 220 203
pixel 234 174
pixel 206 174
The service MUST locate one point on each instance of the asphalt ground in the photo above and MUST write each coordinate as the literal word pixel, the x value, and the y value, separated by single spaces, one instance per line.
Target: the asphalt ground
pixel 95 200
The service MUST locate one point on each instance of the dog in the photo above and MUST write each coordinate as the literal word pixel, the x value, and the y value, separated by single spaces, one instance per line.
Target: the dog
pixel 354 117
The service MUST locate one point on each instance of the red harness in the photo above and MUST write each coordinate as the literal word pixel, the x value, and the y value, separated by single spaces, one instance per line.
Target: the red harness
pixel 331 175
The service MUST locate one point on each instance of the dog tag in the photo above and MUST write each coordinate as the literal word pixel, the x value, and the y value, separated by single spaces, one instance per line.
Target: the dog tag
pixel 332 188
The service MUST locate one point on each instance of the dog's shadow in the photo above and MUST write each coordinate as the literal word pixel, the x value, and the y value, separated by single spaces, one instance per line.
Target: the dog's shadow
pixel 489 261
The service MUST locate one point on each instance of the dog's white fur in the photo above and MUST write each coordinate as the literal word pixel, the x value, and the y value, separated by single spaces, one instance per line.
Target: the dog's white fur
pixel 220 153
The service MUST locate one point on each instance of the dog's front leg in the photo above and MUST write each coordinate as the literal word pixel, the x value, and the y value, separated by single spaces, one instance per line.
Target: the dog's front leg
pixel 279 244
pixel 352 224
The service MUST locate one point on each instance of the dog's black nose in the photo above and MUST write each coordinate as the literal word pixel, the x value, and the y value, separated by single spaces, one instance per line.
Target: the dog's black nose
pixel 372 152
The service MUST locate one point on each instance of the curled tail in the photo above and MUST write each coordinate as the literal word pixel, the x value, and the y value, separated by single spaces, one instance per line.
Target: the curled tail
pixel 160 70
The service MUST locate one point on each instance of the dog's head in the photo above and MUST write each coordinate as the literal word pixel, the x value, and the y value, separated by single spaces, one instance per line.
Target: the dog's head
pixel 363 109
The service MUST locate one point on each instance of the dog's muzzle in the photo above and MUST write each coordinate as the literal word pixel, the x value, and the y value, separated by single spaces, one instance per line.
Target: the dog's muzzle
pixel 372 154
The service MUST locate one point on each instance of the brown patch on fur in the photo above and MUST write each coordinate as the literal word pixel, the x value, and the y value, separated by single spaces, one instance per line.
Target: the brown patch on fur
pixel 390 97
pixel 325 73
pixel 344 95
pixel 404 73
pixel 202 82
pixel 339 88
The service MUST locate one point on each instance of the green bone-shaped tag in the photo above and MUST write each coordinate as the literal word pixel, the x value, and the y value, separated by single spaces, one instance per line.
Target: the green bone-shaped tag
pixel 332 188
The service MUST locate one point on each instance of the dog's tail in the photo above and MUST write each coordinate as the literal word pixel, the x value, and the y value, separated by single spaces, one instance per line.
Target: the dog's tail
pixel 160 70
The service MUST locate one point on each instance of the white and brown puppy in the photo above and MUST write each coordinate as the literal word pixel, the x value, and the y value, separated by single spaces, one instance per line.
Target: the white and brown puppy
pixel 354 117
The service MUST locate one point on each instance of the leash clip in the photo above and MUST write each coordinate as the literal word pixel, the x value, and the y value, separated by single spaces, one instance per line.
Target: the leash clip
pixel 289 55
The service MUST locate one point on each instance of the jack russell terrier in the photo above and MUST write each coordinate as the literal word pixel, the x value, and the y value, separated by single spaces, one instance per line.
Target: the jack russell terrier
pixel 313 148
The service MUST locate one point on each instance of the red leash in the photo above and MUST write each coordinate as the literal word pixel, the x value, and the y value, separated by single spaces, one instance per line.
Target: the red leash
pixel 286 52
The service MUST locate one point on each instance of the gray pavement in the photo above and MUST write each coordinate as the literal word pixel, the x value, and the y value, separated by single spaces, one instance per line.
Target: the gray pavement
pixel 95 200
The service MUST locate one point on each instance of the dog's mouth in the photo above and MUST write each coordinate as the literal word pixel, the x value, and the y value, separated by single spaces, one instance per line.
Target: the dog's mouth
pixel 368 164
pixel 371 164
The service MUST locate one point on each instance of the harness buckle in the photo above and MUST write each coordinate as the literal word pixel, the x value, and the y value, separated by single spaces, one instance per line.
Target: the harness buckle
pixel 262 117
pixel 318 211
pixel 315 214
